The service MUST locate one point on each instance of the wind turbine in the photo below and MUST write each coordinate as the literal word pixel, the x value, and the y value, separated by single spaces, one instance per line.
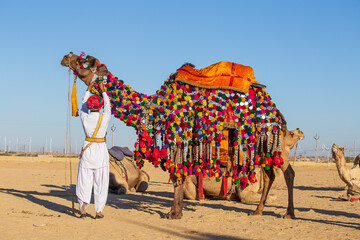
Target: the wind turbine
pixel 327 149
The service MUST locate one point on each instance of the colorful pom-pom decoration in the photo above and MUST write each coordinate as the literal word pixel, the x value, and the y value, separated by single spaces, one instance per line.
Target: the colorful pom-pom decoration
pixel 180 128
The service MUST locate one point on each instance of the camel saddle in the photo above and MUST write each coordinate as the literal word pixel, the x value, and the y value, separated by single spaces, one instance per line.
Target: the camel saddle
pixel 119 152
pixel 221 75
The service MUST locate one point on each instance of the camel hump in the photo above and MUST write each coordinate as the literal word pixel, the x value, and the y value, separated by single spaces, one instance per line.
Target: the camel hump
pixel 120 152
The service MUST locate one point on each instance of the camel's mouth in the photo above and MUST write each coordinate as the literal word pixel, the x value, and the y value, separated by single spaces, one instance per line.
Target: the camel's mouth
pixel 334 148
pixel 65 62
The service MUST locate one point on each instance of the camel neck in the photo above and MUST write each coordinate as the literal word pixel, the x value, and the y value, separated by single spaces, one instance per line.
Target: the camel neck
pixel 127 105
pixel 340 161
pixel 340 164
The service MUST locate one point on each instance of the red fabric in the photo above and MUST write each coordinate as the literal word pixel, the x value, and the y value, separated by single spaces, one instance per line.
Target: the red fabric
pixel 200 188
pixel 95 102
pixel 225 186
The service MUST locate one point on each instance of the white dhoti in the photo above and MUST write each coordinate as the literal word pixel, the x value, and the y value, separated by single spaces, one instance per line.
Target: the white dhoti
pixel 94 158
pixel 88 177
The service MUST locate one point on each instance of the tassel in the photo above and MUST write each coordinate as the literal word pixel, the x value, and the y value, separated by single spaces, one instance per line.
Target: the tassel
pixel 74 105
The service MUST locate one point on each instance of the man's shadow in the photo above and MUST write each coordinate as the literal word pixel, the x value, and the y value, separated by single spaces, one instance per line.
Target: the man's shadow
pixel 35 197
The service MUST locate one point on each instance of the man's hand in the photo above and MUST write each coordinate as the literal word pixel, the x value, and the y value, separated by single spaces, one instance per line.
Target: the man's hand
pixel 101 86
pixel 91 85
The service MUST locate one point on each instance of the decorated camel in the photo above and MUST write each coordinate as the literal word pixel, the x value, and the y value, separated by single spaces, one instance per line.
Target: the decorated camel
pixel 124 174
pixel 225 189
pixel 180 127
pixel 350 176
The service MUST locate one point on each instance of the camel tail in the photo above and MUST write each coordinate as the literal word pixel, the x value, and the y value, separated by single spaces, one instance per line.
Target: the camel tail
pixel 146 174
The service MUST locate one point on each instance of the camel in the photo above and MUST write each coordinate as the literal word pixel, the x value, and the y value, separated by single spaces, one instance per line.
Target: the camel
pixel 350 176
pixel 189 118
pixel 124 174
pixel 251 194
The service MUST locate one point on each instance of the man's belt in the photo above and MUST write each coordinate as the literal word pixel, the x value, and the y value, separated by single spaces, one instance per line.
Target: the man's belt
pixel 95 140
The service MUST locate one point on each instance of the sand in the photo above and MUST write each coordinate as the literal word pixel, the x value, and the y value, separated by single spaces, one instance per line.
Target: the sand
pixel 36 204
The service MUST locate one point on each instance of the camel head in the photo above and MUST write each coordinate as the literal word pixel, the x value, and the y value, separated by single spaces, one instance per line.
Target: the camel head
pixel 357 161
pixel 337 152
pixel 292 137
pixel 85 68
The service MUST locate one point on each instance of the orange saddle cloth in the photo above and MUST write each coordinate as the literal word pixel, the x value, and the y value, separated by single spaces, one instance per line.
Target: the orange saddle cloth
pixel 224 148
pixel 221 75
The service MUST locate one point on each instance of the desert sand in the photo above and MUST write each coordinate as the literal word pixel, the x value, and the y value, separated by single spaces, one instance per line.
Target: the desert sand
pixel 36 204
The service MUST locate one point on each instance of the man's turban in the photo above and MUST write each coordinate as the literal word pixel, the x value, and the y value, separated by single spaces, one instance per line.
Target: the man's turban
pixel 95 102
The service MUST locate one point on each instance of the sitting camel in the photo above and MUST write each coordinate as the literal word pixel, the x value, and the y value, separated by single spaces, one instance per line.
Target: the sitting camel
pixel 124 174
pixel 350 176
pixel 224 188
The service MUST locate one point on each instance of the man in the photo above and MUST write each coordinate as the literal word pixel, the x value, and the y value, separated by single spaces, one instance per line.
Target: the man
pixel 94 157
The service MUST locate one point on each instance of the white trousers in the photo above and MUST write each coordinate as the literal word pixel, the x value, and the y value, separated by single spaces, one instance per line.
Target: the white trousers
pixel 85 179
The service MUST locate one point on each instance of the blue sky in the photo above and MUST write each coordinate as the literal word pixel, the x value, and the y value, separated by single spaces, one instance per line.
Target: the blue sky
pixel 306 52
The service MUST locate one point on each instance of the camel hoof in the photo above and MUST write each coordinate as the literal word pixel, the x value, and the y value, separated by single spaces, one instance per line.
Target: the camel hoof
pixel 121 190
pixel 171 215
pixel 288 216
pixel 142 187
pixel 255 213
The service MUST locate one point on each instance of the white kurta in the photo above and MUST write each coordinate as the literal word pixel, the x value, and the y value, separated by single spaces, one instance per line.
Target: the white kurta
pixel 94 163
pixel 95 156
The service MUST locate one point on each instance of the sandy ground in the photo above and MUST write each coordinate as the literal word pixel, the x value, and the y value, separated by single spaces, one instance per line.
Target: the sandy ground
pixel 36 204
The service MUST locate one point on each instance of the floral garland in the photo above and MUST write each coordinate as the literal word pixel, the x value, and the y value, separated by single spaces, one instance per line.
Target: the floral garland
pixel 185 123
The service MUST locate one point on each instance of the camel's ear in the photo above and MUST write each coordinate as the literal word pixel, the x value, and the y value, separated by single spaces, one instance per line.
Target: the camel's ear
pixel 342 149
pixel 93 62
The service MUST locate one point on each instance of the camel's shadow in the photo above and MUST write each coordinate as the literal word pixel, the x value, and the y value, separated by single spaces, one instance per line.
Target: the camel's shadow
pixel 322 189
pixel 151 202
pixel 155 202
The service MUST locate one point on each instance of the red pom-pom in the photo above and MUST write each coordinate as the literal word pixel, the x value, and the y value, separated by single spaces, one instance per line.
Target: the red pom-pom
pixel 243 183
pixel 95 102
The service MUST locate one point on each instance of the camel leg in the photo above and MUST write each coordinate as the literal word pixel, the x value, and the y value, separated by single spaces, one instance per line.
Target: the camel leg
pixel 176 209
pixel 143 182
pixel 289 175
pixel 118 184
pixel 190 190
pixel 269 177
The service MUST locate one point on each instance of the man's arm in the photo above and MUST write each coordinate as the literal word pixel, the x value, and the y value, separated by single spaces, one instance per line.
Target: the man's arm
pixel 107 108
pixel 84 108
